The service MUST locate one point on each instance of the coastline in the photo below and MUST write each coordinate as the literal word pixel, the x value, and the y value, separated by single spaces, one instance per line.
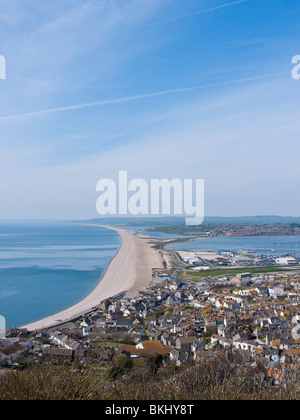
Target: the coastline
pixel 129 271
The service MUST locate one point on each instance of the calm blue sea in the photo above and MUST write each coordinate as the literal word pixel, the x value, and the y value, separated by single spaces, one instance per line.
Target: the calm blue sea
pixel 46 267
pixel 281 245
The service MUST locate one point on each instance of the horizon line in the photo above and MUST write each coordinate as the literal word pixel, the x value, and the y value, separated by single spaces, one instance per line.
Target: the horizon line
pixel 142 217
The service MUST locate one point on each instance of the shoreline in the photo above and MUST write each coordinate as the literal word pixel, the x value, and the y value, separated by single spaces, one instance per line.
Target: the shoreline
pixel 129 271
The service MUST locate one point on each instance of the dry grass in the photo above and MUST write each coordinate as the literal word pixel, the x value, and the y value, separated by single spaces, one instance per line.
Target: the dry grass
pixel 149 380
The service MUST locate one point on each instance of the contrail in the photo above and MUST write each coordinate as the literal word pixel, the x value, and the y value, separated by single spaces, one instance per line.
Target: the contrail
pixel 135 97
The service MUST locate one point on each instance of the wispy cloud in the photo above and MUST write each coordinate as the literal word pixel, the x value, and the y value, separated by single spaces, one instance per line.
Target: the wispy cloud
pixel 204 11
pixel 12 12
pixel 36 114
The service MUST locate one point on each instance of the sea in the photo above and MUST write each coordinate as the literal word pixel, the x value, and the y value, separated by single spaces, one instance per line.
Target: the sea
pixel 260 245
pixel 46 267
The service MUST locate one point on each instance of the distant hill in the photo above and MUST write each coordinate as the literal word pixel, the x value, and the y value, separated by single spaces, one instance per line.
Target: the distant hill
pixel 179 221
pixel 252 219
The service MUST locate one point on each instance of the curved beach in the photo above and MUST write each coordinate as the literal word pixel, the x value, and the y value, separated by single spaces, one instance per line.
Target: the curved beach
pixel 129 271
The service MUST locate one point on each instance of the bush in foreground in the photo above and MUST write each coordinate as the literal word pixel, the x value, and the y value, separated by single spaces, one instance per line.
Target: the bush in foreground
pixel 148 380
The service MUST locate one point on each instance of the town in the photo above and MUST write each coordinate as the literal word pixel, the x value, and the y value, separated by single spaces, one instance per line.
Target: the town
pixel 183 318
pixel 215 229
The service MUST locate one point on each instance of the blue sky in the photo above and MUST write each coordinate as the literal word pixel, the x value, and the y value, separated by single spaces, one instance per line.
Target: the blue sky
pixel 160 88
